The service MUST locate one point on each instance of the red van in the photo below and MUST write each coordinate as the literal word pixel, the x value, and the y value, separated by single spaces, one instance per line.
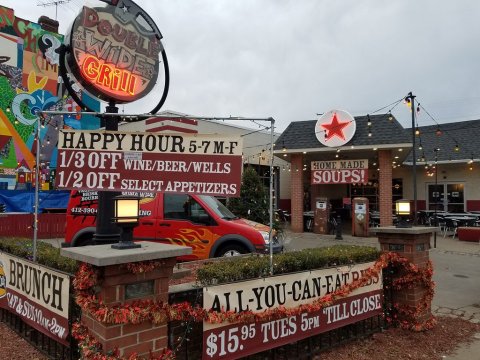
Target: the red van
pixel 199 221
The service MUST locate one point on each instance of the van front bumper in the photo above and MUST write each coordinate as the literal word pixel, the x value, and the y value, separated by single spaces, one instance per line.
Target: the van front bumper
pixel 276 249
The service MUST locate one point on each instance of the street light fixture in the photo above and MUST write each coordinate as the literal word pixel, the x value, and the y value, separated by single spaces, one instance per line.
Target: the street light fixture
pixel 126 214
pixel 402 209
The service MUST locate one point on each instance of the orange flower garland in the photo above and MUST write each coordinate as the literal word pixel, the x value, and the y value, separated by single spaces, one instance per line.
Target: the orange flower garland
pixel 159 312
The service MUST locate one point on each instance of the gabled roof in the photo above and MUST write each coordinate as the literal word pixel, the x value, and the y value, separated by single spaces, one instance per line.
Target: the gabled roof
pixel 446 137
pixel 301 134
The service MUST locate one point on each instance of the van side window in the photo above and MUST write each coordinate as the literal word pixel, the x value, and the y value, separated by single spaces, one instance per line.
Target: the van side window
pixel 182 207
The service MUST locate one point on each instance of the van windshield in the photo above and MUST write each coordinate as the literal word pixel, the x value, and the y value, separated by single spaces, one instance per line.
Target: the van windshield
pixel 219 209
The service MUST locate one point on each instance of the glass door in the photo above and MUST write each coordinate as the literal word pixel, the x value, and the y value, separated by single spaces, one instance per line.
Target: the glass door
pixel 435 197
pixel 446 197
pixel 455 199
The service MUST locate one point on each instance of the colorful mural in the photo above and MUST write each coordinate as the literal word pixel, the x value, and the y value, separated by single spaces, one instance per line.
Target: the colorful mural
pixel 29 82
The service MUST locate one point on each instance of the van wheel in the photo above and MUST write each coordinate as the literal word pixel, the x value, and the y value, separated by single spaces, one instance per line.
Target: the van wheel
pixel 232 250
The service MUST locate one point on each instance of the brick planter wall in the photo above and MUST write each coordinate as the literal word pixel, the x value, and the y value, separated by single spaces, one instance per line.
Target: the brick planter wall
pixel 140 338
pixel 413 244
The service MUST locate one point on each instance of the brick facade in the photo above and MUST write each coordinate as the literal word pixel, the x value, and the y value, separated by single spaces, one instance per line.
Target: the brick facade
pixel 297 192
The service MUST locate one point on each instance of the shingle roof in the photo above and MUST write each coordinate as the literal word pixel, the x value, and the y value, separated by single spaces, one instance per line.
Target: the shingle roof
pixel 301 134
pixel 465 134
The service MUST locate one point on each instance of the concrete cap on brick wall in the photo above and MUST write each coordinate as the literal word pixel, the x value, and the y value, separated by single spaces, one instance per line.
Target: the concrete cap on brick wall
pixel 104 255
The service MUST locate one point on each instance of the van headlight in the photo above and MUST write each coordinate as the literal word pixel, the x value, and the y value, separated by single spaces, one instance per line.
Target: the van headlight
pixel 266 236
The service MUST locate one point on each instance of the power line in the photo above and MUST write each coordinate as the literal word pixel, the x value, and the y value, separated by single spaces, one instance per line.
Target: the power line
pixel 56 3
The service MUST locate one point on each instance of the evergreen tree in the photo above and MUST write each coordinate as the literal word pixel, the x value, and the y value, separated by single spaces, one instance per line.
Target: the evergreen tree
pixel 253 203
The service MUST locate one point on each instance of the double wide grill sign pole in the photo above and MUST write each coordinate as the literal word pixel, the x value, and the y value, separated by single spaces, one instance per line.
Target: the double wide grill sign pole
pixel 114 53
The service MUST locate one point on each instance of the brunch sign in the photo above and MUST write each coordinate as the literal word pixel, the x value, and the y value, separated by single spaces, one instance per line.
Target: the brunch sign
pixel 115 51
pixel 36 294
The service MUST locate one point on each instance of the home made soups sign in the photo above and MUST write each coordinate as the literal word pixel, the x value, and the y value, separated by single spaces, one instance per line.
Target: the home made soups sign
pixel 233 341
pixel 339 172
pixel 148 162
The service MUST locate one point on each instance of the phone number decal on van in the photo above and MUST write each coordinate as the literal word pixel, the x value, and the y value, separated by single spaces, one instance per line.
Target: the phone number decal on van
pixel 114 161
pixel 86 210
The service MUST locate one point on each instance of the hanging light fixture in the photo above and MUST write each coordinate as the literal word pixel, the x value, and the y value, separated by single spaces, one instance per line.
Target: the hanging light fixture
pixel 369 122
pixel 417 131
pixel 457 148
pixel 390 116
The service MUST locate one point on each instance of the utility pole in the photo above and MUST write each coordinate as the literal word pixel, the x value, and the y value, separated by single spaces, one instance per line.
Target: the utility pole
pixel 411 97
pixel 56 3
pixel 436 198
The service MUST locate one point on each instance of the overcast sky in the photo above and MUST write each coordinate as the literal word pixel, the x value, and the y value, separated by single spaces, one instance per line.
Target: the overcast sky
pixel 293 59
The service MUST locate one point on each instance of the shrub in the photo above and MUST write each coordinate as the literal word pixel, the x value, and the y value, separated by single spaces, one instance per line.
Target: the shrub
pixel 252 267
pixel 47 254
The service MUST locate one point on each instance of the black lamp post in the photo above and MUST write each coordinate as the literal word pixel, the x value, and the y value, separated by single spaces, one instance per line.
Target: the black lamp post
pixel 126 214
pixel 411 98
pixel 402 209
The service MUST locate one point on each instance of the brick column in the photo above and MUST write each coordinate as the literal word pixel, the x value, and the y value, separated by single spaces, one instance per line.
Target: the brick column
pixel 385 187
pixel 413 244
pixel 296 186
pixel 118 286
pixel 131 338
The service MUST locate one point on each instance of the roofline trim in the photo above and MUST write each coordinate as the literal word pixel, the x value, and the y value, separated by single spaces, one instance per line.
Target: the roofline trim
pixel 344 148
pixel 442 162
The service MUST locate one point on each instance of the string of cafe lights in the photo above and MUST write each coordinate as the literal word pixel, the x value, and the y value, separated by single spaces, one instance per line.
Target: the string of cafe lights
pixel 439 131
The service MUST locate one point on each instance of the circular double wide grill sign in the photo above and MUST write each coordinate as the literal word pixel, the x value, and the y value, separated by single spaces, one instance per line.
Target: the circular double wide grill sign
pixel 115 51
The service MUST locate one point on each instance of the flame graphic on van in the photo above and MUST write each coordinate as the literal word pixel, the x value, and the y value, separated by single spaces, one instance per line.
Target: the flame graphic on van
pixel 196 239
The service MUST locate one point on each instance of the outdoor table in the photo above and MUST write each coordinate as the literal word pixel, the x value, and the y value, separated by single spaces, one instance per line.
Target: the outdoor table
pixel 462 220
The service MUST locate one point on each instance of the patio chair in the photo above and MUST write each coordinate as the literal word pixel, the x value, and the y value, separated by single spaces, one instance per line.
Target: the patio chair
pixel 450 225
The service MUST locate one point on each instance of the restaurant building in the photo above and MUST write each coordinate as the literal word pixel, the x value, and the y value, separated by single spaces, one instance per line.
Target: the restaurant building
pixel 339 158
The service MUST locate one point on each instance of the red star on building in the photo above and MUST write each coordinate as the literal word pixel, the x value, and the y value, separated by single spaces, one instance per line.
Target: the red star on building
pixel 335 128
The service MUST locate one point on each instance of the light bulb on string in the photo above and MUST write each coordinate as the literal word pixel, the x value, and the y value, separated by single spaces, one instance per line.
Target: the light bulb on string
pixel 390 116
pixel 369 122
pixel 457 148
pixel 417 131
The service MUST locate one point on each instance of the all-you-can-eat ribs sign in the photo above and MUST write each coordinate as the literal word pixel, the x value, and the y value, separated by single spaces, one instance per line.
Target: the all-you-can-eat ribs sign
pixel 177 163
pixel 237 340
